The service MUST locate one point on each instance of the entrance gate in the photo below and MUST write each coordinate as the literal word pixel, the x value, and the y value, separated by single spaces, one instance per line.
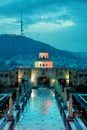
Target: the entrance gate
pixel 43 80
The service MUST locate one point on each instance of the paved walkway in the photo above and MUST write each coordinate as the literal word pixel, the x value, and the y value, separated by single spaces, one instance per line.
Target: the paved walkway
pixel 41 112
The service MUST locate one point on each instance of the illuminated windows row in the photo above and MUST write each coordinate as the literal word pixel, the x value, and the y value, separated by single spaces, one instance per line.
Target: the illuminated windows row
pixel 43 65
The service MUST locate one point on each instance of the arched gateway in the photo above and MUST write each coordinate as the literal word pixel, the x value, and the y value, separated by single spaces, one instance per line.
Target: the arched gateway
pixel 44 73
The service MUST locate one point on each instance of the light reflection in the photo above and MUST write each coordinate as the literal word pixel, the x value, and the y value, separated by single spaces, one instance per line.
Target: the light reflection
pixel 53 94
pixel 33 93
pixel 45 100
pixel 46 105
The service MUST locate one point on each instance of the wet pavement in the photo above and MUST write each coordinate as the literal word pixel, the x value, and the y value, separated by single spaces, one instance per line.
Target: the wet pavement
pixel 41 112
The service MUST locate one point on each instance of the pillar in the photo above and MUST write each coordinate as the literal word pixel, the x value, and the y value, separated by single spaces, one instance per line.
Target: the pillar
pixel 29 86
pixel 56 86
pixel 70 113
pixel 10 117
pixel 22 93
pixel 34 83
pixel 17 99
pixel 61 89
pixel 60 93
pixel 26 88
pixel 65 98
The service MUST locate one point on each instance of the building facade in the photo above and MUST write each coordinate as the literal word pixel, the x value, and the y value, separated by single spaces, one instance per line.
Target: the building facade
pixel 78 77
pixel 43 72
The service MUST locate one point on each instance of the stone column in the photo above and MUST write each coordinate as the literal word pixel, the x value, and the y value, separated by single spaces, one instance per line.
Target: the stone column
pixel 56 87
pixel 61 90
pixel 26 89
pixel 35 83
pixel 17 99
pixel 10 118
pixel 65 98
pixel 22 93
pixel 70 113
pixel 29 86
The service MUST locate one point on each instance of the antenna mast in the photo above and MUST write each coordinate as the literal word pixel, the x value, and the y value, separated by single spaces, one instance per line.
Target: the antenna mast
pixel 22 24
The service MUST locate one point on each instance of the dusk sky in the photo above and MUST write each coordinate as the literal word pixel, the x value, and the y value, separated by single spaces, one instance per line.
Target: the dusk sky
pixel 60 23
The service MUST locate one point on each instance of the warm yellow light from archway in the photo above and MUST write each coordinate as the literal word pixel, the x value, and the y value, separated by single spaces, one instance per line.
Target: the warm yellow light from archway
pixel 53 81
pixel 67 79
pixel 20 75
pixel 32 79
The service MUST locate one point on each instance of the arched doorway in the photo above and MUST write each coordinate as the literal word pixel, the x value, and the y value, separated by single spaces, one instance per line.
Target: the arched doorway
pixel 43 81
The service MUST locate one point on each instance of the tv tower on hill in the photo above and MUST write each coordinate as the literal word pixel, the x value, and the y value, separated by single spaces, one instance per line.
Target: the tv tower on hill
pixel 22 30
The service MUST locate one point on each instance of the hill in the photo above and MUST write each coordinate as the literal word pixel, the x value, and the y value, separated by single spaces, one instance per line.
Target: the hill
pixel 18 50
pixel 13 45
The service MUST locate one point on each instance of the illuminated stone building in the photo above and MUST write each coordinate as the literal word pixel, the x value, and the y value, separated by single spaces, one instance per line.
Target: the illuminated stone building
pixel 43 61
pixel 78 77
pixel 43 72
pixel 14 77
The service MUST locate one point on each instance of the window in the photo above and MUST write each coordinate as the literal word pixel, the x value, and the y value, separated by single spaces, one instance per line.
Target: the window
pixel 6 75
pixel 80 75
pixel 12 76
pixel 1 75
pixel 85 75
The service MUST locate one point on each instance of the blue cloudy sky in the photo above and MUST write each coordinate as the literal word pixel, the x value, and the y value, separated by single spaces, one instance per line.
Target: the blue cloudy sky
pixel 60 23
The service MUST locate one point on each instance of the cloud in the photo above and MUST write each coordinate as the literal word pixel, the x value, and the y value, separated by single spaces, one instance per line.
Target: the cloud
pixel 29 6
pixel 45 17
pixel 14 7
pixel 50 27
pixel 8 20
pixel 61 14
pixel 3 3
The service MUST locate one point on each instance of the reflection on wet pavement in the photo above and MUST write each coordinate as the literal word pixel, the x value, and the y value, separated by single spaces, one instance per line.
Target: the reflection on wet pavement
pixel 41 112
